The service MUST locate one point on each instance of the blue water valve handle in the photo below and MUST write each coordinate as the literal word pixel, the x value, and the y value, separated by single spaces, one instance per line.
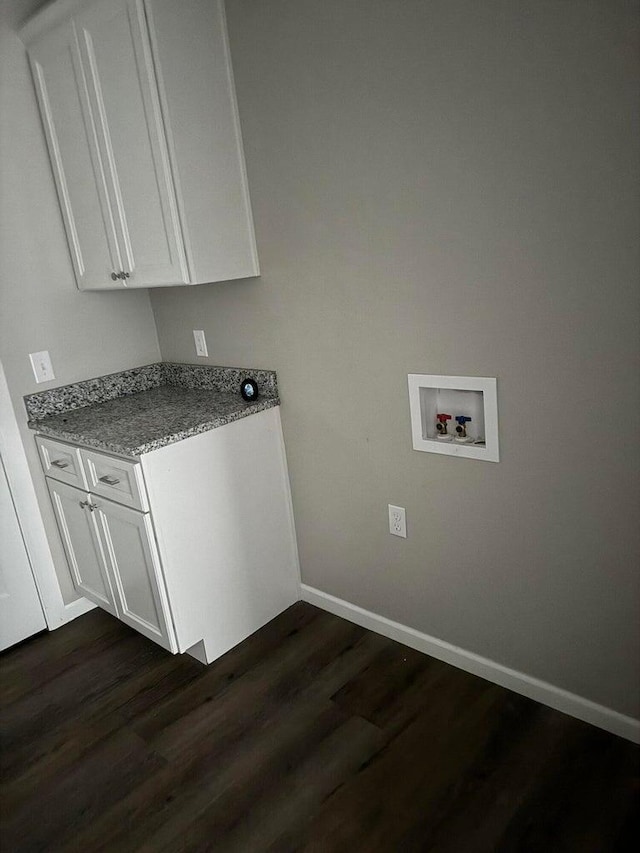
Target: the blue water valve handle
pixel 462 419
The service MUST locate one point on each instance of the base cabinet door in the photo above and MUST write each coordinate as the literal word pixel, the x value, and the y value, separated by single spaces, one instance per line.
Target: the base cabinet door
pixel 134 566
pixel 79 532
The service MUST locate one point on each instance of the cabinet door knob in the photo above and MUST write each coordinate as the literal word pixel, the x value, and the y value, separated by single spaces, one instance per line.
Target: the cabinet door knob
pixel 120 275
pixel 85 504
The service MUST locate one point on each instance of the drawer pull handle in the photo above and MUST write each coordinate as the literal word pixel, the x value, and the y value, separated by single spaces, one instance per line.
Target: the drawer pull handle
pixel 109 480
pixel 59 463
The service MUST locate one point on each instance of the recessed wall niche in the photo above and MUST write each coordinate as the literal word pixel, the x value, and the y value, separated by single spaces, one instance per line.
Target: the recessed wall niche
pixel 472 399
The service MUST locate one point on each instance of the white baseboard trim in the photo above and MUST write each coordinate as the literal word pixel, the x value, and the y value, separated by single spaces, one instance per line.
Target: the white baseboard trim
pixel 519 682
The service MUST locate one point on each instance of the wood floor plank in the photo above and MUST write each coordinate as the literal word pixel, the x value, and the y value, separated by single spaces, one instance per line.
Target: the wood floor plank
pixel 399 685
pixel 115 766
pixel 60 701
pixel 410 776
pixel 483 800
pixel 312 735
pixel 273 681
pixel 65 742
pixel 377 691
pixel 25 668
pixel 280 806
pixel 221 674
pixel 194 775
pixel 586 774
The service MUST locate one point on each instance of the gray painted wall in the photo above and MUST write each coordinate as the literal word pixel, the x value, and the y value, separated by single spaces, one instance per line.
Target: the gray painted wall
pixel 447 186
pixel 87 334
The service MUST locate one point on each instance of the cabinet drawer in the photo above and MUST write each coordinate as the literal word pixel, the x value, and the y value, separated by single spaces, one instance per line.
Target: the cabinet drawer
pixel 61 461
pixel 116 479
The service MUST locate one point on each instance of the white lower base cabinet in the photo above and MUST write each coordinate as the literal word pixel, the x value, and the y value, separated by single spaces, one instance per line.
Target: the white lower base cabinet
pixel 204 554
pixel 114 560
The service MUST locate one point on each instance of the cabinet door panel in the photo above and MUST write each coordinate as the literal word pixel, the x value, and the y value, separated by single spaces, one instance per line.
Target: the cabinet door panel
pixel 81 544
pixel 73 149
pixel 123 92
pixel 134 566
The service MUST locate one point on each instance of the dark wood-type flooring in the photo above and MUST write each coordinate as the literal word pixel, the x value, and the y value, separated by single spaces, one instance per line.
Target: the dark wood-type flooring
pixel 313 734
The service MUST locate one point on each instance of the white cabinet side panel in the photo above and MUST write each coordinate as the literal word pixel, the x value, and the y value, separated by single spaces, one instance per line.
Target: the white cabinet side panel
pixel 221 510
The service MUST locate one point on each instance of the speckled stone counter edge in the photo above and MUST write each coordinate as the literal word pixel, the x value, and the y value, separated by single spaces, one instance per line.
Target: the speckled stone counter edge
pixel 147 446
pixel 55 401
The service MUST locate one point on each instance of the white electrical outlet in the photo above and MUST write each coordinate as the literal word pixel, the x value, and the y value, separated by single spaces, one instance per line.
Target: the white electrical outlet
pixel 42 367
pixel 397 521
pixel 201 343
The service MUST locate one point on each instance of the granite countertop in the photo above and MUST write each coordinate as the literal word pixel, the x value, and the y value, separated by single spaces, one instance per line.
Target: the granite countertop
pixel 138 421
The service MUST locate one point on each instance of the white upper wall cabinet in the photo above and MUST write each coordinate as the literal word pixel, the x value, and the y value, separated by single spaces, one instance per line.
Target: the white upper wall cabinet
pixel 139 111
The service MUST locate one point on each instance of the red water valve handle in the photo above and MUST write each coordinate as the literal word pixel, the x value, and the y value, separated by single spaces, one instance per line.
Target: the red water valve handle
pixel 443 418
